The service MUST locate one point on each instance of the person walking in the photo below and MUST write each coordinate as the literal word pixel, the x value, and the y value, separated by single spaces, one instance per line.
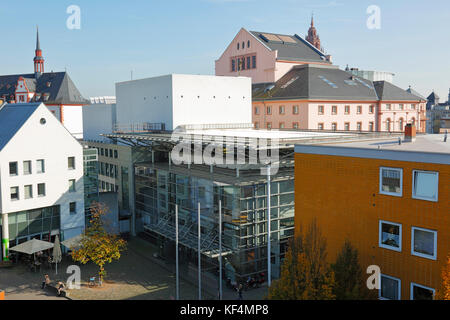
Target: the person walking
pixel 240 289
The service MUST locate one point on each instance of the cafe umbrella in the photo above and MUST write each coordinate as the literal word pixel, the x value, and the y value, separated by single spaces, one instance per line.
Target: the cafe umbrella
pixel 57 254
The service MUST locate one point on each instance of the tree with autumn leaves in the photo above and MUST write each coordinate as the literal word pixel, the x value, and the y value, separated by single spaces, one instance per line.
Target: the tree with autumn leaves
pixel 444 293
pixel 97 245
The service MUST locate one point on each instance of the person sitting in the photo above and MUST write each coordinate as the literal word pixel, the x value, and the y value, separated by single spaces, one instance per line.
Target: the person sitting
pixel 46 281
pixel 60 286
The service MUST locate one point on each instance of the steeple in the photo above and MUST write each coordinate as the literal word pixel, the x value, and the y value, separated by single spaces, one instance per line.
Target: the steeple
pixel 312 36
pixel 38 59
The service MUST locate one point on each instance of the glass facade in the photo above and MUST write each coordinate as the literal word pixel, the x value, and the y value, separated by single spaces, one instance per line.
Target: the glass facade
pixel 90 159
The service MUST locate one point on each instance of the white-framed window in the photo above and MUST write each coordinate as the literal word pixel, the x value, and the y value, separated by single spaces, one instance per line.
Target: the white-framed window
pixel 390 235
pixel 424 243
pixel 28 191
pixel 40 166
pixel 41 189
pixel 390 288
pixel 425 185
pixel 419 292
pixel 14 193
pixel 391 181
pixel 13 170
pixel 72 185
pixel 295 109
pixel 73 207
pixel 27 167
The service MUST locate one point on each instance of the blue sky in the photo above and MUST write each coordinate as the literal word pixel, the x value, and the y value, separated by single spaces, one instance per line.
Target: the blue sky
pixel 187 36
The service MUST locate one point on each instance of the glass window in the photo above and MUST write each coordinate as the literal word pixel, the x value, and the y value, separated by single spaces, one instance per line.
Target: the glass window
pixel 28 191
pixel 256 110
pixel 334 126
pixel 295 109
pixel 14 193
pixel 248 62
pixel 359 110
pixel 347 126
pixel 110 153
pixel 269 125
pixel 27 167
pixel 424 243
pixel 115 154
pixel 281 109
pixel 370 109
pixel 102 152
pixel 71 163
pixel 320 109
pixel 320 126
pixel 425 185
pixel 254 62
pixel 391 181
pixel 295 125
pixel 41 189
pixel 334 110
pixel 13 169
pixel 281 125
pixel 370 126
pixel 358 126
pixel 419 292
pixel 269 110
pixel 73 207
pixel 72 185
pixel 390 235
pixel 389 288
pixel 233 65
pixel 40 166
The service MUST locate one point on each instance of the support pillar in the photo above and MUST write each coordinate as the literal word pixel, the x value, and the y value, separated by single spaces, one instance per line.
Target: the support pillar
pixel 5 237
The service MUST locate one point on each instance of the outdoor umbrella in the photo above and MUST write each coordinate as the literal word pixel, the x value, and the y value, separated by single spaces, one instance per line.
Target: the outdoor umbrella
pixel 57 255
pixel 32 246
pixel 73 243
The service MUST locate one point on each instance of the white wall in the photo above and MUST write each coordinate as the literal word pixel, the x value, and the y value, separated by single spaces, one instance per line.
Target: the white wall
pixel 98 119
pixel 53 143
pixel 184 99
pixel 73 120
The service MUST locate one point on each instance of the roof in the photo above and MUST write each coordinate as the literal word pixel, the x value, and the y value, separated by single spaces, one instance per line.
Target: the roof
pixel 51 88
pixel 12 118
pixel 389 92
pixel 429 148
pixel 311 81
pixel 414 92
pixel 290 47
pixel 433 96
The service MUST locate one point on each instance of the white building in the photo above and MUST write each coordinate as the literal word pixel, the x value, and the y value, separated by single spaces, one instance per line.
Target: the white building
pixel 41 176
pixel 180 99
pixel 98 117
pixel 372 75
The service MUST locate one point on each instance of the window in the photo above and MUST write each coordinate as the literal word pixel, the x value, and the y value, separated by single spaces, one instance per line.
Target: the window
pixel 388 125
pixel 419 292
pixel 115 154
pixel 359 109
pixel 295 125
pixel 347 110
pixel 370 126
pixel 256 125
pixel 243 63
pixel 233 65
pixel 391 180
pixel 110 153
pixel 28 192
pixel 102 153
pixel 248 43
pixel 71 163
pixel 370 109
pixel 40 166
pixel 14 193
pixel 41 189
pixel 413 107
pixel 269 110
pixel 388 107
pixel 400 124
pixel 347 126
pixel 243 44
pixel 320 126
pixel 269 125
pixel 254 62
pixel 73 207
pixel 248 62
pixel 295 109
pixel 72 185
pixel 424 243
pixel 334 126
pixel 320 109
pixel 13 169
pixel 238 46
pixel 425 185
pixel 400 106
pixel 389 287
pixel 390 236
pixel 281 125
pixel 27 167
pixel 281 109
pixel 334 110
pixel 256 110
pixel 359 126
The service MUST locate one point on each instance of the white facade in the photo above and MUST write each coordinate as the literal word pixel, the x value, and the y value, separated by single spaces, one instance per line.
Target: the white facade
pixel 374 75
pixel 97 119
pixel 179 99
pixel 43 137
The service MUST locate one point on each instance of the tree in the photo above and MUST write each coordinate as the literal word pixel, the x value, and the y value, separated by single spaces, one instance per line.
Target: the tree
pixel 305 274
pixel 97 245
pixel 348 275
pixel 444 293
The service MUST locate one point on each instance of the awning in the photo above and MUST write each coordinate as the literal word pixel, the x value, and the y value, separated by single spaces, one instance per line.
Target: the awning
pixel 72 243
pixel 32 246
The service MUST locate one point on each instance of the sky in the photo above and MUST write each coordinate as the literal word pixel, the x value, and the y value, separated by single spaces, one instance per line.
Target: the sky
pixel 149 38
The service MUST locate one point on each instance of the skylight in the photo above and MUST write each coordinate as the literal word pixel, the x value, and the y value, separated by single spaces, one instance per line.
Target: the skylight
pixel 363 83
pixel 331 84
pixel 350 82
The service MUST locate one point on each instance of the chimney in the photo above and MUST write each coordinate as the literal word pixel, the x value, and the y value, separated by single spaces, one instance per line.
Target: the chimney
pixel 410 133
pixel 328 57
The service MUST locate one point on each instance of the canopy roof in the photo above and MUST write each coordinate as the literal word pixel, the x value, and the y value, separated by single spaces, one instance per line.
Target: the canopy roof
pixel 32 246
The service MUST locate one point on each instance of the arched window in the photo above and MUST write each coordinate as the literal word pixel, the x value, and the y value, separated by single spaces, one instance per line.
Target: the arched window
pixel 248 44
pixel 388 124
pixel 238 46
pixel 243 44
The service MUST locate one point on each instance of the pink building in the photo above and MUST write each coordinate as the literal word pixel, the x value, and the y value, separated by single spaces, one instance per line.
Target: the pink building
pixel 323 97
pixel 266 57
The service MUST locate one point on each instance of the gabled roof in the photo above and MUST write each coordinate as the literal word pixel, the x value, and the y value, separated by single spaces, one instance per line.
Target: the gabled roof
pixel 414 92
pixel 389 92
pixel 290 47
pixel 433 96
pixel 51 88
pixel 12 118
pixel 316 82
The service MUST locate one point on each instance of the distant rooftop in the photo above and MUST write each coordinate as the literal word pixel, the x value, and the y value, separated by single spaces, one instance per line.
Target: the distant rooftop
pixel 103 100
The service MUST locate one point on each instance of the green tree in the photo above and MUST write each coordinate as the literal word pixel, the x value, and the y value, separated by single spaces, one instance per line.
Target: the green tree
pixel 348 274
pixel 305 274
pixel 97 245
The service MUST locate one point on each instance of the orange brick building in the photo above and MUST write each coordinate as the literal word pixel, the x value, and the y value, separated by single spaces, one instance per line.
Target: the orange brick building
pixel 392 203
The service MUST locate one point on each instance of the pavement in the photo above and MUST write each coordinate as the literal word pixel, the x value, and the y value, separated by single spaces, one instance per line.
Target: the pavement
pixel 138 275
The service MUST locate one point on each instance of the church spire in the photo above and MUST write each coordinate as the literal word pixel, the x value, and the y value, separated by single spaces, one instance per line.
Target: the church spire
pixel 38 59
pixel 312 36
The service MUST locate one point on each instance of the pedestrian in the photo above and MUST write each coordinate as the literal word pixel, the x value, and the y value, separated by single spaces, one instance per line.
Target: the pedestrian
pixel 46 281
pixel 240 292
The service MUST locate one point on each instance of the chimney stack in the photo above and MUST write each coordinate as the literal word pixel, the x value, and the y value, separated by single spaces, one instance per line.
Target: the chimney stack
pixel 410 133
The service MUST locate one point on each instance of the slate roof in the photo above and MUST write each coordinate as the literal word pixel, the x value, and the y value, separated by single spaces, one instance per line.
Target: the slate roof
pixel 316 82
pixel 414 92
pixel 61 89
pixel 12 118
pixel 297 50
pixel 433 97
pixel 389 92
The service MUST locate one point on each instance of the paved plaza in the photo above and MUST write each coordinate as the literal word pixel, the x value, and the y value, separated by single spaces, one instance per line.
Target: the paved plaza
pixel 137 275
